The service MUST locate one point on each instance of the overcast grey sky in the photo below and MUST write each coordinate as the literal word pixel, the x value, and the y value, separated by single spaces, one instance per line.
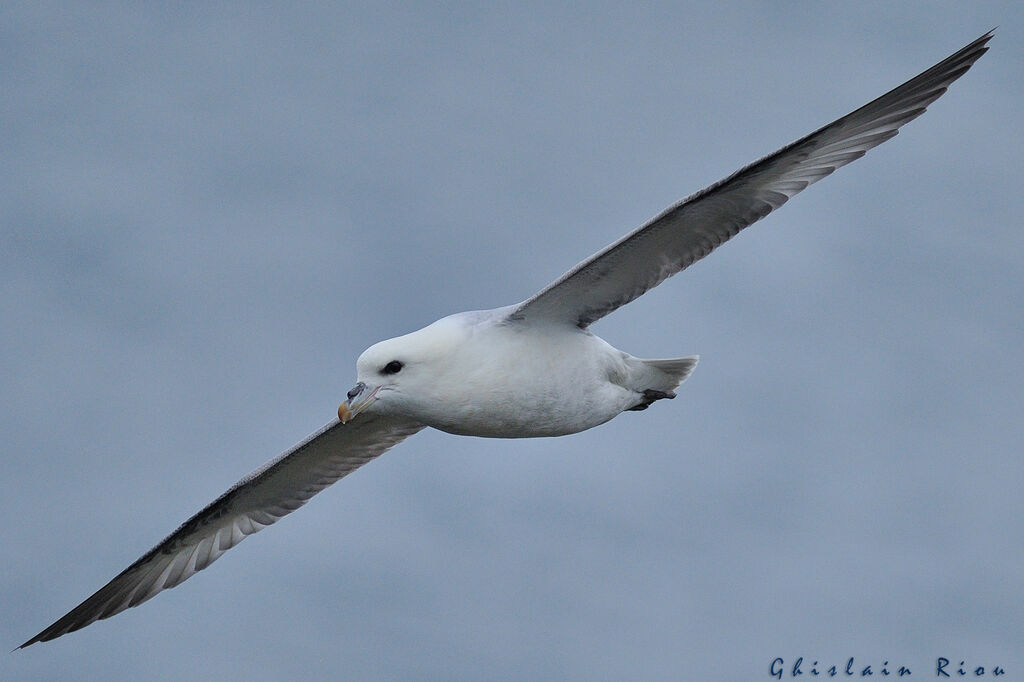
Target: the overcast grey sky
pixel 208 212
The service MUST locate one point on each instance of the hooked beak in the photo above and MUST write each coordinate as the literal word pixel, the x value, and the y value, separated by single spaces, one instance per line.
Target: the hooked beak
pixel 358 400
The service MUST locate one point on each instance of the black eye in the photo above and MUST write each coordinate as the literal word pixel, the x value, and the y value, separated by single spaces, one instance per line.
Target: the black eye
pixel 393 367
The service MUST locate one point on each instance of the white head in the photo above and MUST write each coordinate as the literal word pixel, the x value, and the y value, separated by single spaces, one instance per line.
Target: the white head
pixel 402 375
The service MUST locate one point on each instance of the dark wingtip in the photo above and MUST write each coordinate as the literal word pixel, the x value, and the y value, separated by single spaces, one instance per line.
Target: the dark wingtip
pixel 50 633
pixel 37 638
pixel 28 643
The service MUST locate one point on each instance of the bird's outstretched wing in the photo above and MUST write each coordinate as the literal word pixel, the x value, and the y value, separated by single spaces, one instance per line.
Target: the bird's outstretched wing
pixel 278 488
pixel 691 229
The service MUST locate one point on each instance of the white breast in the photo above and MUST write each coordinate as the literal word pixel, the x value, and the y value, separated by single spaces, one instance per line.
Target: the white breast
pixel 523 381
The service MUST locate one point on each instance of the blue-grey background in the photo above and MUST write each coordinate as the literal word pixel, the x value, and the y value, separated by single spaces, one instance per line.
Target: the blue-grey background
pixel 208 211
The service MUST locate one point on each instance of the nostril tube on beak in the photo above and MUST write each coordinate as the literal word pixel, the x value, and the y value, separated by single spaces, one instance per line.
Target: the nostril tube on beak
pixel 358 400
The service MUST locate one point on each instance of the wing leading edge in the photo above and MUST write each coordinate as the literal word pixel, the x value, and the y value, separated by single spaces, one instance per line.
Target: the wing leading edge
pixel 694 227
pixel 276 489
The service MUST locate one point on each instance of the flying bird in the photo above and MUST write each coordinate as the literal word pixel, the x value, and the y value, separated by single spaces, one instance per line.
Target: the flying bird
pixel 521 371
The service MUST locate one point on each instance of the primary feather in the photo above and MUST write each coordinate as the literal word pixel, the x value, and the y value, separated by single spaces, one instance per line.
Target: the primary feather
pixel 274 490
pixel 694 227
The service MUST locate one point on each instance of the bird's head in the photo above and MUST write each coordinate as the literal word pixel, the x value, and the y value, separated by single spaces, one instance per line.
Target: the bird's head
pixel 399 375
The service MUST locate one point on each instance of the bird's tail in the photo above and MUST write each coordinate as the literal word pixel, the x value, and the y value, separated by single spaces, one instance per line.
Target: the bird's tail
pixel 671 371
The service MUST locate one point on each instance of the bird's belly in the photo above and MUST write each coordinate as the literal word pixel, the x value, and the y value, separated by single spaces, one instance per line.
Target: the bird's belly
pixel 526 416
pixel 528 384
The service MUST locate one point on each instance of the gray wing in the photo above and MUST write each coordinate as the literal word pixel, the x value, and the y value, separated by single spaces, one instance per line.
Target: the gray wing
pixel 692 229
pixel 258 500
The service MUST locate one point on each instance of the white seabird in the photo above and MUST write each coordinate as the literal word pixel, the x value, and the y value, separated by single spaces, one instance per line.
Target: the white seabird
pixel 466 374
